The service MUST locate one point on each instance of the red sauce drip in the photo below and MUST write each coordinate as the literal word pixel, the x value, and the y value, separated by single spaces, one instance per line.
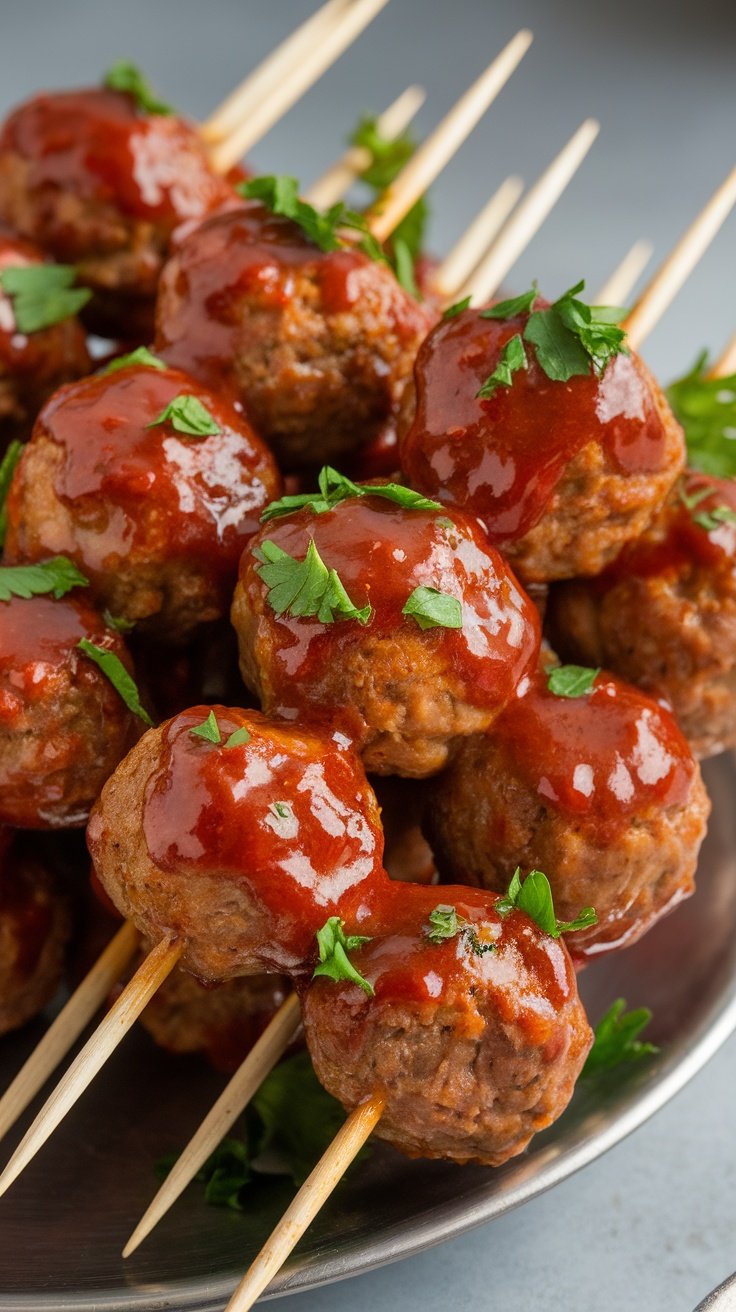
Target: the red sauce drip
pixel 502 458
pixel 289 815
pixel 381 554
pixel 131 486
pixel 602 757
pixel 677 542
pixel 97 144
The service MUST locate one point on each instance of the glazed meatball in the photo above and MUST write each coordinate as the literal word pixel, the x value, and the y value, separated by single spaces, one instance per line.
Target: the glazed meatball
pixel 562 474
pixel 155 517
pixel 404 678
pixel 35 926
pixel 664 614
pixel 32 364
pixel 599 790
pixel 63 726
pixel 242 849
pixel 318 346
pixel 475 1042
pixel 99 183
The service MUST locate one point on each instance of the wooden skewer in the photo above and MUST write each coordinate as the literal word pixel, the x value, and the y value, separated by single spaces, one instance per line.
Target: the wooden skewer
pixel 232 1101
pixel 617 288
pixel 270 72
pixel 439 148
pixel 313 1194
pixel 473 244
pixel 225 153
pixel 111 1031
pixel 69 1024
pixel 338 179
pixel 726 364
pixel 529 215
pixel 678 266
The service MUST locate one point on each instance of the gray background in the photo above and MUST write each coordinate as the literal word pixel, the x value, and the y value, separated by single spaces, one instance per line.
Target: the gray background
pixel 652 1225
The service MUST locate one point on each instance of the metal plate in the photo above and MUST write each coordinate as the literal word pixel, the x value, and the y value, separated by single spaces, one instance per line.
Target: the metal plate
pixel 62 1225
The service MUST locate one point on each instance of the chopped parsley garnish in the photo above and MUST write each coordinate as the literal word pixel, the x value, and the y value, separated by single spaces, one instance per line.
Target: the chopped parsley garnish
pixel 334 945
pixel 140 356
pixel 209 730
pixel 238 737
pixel 432 609
pixel 444 923
pixel 708 520
pixel 534 896
pixel 125 76
pixel 568 335
pixel 571 680
pixel 280 194
pixel 57 576
pixel 512 358
pixel 706 408
pixel 114 670
pixel 453 310
pixel 7 469
pixel 388 159
pixel 117 622
pixel 43 294
pixel 617 1038
pixel 305 587
pixel 282 810
pixel 335 487
pixel 187 415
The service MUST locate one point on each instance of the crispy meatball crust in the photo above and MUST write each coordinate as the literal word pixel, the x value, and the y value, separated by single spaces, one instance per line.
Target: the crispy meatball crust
pixel 472 1053
pixel 63 726
pixel 627 847
pixel 35 927
pixel 402 692
pixel 318 346
pixel 665 619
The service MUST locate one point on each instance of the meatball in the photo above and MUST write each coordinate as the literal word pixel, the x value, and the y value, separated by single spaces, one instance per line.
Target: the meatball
pixel 599 790
pixel 242 849
pixel 63 726
pixel 35 927
pixel 99 183
pixel 437 639
pixel 318 346
pixel 562 474
pixel 664 615
pixel 32 364
pixel 475 1042
pixel 155 515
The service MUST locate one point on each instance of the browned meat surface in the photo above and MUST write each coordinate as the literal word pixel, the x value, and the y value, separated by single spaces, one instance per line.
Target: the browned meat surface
pixel 35 927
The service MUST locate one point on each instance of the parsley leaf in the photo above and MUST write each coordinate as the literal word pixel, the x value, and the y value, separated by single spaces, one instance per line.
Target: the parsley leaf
pixel 571 680
pixel 444 923
pixel 509 309
pixel 457 308
pixel 140 356
pixel 706 408
pixel 388 155
pixel 7 469
pixel 186 414
pixel 117 622
pixel 512 358
pixel 224 1175
pixel 124 76
pixel 114 670
pixel 42 294
pixel 280 194
pixel 300 1119
pixel 405 246
pixel 558 351
pixel 305 587
pixel 334 945
pixel 209 729
pixel 281 810
pixel 708 520
pixel 58 576
pixel 335 487
pixel 534 896
pixel 569 335
pixel 238 737
pixel 432 609
pixel 617 1038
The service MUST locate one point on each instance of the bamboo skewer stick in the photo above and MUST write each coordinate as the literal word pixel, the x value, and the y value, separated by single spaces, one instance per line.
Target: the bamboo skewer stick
pixel 313 1194
pixel 470 248
pixel 112 1030
pixel 69 1024
pixel 232 1101
pixel 338 179
pixel 725 365
pixel 224 154
pixel 445 141
pixel 678 266
pixel 529 215
pixel 618 287
pixel 278 65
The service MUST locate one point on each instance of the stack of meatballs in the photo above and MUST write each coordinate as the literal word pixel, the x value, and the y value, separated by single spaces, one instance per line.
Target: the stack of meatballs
pixel 507 625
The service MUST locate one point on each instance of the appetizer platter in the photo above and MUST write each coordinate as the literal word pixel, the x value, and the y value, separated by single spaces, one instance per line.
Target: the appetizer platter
pixel 367 691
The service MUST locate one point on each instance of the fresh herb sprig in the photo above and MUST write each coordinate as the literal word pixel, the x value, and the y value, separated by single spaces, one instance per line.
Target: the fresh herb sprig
pixel 388 159
pixel 571 680
pixel 209 732
pixel 56 576
pixel 7 469
pixel 126 76
pixel 534 896
pixel 305 587
pixel 280 195
pixel 43 294
pixel 445 923
pixel 186 414
pixel 334 946
pixel 432 609
pixel 706 408
pixel 617 1039
pixel 113 669
pixel 335 487
pixel 141 356
pixel 708 520
pixel 512 359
